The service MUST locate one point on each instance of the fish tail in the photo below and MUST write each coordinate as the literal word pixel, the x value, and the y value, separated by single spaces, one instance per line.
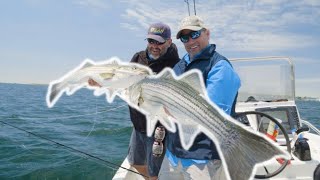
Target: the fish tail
pixel 53 92
pixel 245 150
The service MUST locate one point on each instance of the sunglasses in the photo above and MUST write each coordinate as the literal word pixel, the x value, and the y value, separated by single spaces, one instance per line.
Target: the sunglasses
pixel 194 35
pixel 152 41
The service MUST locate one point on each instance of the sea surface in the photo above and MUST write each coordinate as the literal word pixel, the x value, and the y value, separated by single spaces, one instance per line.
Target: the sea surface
pixel 81 137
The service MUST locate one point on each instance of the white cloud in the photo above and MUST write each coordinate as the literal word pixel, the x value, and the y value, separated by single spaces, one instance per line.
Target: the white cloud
pixel 140 19
pixel 263 41
pixel 250 25
pixel 144 12
pixel 313 2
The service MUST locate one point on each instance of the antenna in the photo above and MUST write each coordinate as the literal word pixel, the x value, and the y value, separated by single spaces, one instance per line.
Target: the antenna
pixel 187 1
pixel 194 6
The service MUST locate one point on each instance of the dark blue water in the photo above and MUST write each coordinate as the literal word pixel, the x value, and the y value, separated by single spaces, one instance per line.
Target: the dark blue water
pixel 81 121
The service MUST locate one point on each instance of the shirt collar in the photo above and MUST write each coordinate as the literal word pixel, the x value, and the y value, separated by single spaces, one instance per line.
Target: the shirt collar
pixel 187 56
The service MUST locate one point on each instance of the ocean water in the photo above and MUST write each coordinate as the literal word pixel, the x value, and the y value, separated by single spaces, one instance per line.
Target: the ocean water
pixel 81 137
pixel 81 121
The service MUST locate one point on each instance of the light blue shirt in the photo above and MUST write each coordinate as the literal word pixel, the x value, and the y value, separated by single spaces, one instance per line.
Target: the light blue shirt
pixel 222 86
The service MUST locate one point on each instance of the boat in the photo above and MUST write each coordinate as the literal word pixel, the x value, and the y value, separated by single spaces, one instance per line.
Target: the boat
pixel 266 103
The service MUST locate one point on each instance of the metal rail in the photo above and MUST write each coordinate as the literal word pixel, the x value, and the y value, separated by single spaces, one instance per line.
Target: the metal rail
pixel 310 126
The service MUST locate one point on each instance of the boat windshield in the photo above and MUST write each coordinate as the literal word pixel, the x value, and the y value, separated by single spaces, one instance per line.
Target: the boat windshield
pixel 265 79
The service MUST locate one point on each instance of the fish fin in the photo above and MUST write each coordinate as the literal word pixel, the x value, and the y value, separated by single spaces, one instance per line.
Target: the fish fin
pixel 124 96
pixel 164 118
pixel 159 114
pixel 114 61
pixel 73 88
pixel 166 73
pixel 98 91
pixel 151 124
pixel 247 149
pixel 87 63
pixel 194 79
pixel 168 124
pixel 111 94
pixel 188 133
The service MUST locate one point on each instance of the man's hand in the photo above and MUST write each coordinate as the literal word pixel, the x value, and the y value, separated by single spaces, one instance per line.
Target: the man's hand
pixel 91 82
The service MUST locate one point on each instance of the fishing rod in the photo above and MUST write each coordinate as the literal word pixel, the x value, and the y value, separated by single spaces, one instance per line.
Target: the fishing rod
pixel 194 6
pixel 187 1
pixel 74 116
pixel 108 163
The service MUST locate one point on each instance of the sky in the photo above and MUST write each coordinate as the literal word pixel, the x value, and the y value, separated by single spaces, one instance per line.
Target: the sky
pixel 41 40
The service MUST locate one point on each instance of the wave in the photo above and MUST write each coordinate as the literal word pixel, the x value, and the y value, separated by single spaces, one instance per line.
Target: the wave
pixel 107 131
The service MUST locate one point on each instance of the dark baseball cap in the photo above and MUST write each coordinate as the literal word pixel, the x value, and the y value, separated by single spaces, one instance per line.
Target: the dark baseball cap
pixel 159 32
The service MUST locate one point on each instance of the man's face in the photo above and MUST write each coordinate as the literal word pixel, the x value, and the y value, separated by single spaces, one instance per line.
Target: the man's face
pixel 194 46
pixel 157 49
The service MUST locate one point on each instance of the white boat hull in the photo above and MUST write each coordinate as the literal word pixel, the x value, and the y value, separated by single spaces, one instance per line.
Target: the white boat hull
pixel 276 98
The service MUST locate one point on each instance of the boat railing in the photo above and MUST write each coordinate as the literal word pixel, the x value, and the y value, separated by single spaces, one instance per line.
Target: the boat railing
pixel 310 126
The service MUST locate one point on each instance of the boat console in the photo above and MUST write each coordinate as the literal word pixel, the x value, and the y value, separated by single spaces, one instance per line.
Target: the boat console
pixel 266 103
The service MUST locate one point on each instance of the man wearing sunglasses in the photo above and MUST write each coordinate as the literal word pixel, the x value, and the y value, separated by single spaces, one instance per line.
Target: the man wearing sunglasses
pixel 160 53
pixel 202 160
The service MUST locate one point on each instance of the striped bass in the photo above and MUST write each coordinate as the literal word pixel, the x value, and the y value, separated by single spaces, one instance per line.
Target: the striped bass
pixel 174 100
pixel 113 75
pixel 183 100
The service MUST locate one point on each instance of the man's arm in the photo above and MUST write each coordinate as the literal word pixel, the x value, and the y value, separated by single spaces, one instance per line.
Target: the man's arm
pixel 223 84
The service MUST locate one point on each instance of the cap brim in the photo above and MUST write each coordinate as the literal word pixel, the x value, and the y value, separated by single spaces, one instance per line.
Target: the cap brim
pixel 156 37
pixel 192 28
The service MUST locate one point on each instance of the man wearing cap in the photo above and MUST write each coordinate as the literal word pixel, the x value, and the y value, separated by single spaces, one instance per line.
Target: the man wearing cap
pixel 202 160
pixel 160 53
